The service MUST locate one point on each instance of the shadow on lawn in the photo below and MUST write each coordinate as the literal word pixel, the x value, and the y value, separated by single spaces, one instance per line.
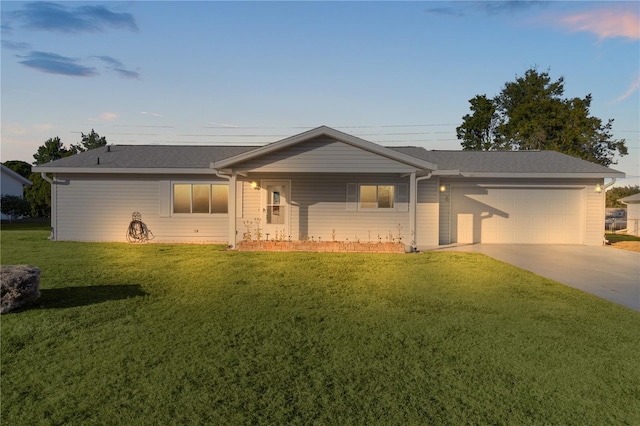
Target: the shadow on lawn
pixel 71 297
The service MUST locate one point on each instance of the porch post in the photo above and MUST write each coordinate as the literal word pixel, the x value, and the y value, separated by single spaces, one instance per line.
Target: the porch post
pixel 413 194
pixel 231 208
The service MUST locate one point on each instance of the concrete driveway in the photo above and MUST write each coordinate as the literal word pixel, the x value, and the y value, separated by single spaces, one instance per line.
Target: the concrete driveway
pixel 610 273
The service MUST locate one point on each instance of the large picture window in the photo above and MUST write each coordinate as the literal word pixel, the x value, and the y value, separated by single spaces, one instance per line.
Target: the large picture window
pixel 200 198
pixel 377 196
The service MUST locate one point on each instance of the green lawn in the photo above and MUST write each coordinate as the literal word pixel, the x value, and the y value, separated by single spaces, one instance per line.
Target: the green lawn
pixel 616 238
pixel 191 334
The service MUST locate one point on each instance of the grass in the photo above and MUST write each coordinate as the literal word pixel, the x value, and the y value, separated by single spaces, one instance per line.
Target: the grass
pixel 616 238
pixel 192 334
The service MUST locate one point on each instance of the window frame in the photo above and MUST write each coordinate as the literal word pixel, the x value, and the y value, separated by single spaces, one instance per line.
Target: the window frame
pixel 377 208
pixel 191 184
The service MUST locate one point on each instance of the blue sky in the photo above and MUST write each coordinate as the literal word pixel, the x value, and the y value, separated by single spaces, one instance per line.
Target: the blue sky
pixel 397 73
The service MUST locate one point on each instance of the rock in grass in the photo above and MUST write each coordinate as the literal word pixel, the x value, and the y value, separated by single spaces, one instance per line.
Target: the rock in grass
pixel 19 286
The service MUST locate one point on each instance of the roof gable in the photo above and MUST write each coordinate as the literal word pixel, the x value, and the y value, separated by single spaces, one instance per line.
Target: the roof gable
pixel 631 199
pixel 15 176
pixel 323 155
pixel 324 131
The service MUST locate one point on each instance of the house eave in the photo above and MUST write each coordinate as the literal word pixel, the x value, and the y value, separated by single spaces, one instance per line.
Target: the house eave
pixel 124 170
pixel 542 175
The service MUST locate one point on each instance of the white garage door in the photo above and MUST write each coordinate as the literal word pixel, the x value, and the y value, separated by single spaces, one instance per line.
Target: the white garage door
pixel 517 215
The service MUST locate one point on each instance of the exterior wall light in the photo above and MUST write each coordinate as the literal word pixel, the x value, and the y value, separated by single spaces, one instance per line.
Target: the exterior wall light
pixel 254 185
pixel 598 188
pixel 443 188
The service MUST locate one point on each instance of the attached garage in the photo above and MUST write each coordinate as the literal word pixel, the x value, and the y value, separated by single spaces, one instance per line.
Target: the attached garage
pixel 507 215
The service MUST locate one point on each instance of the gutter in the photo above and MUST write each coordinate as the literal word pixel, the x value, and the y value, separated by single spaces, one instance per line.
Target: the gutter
pixel 46 178
pixel 413 206
pixel 613 180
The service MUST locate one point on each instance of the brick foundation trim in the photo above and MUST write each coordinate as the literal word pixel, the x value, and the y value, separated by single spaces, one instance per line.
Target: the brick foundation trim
pixel 321 247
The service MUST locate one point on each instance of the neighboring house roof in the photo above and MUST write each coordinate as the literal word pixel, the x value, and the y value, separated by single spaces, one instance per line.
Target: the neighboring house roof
pixel 631 199
pixel 201 159
pixel 14 175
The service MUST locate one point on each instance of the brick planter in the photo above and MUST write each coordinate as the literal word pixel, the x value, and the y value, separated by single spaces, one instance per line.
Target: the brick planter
pixel 324 246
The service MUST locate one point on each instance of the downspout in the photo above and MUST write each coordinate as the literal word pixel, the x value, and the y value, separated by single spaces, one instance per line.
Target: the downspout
pixel 414 207
pixel 613 180
pixel 54 207
pixel 604 206
pixel 231 205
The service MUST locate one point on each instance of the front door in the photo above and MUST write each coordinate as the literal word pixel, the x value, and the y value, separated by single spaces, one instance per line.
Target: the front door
pixel 275 210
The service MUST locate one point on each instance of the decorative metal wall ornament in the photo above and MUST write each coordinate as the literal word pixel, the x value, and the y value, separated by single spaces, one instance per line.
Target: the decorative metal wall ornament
pixel 138 231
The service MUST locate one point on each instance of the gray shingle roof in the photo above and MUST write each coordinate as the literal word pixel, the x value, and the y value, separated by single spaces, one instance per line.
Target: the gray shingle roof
pixel 505 161
pixel 150 156
pixel 200 157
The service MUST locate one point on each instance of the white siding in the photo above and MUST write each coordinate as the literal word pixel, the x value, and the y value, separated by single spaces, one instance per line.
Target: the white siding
pixel 324 155
pixel 319 206
pixel 10 186
pixel 444 211
pixel 427 214
pixel 91 208
pixel 595 214
pixel 633 219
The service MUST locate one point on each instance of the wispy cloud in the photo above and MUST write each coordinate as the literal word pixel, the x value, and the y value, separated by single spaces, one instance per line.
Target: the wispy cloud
pixel 118 67
pixel 446 11
pixel 14 45
pixel 509 7
pixel 223 124
pixel 44 127
pixel 57 17
pixel 461 9
pixel 65 18
pixel 13 129
pixel 52 63
pixel 633 88
pixel 153 114
pixel 605 23
pixel 105 116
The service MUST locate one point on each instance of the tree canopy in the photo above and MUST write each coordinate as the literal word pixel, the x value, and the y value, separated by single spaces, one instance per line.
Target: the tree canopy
pixel 615 193
pixel 531 114
pixel 20 167
pixel 88 142
pixel 50 151
pixel 39 193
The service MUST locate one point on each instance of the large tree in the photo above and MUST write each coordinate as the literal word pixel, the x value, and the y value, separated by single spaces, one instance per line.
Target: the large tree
pixel 615 193
pixel 88 142
pixel 39 193
pixel 20 167
pixel 53 149
pixel 531 114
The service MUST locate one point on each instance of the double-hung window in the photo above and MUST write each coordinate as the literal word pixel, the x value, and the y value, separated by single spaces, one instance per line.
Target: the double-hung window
pixel 377 196
pixel 372 197
pixel 201 198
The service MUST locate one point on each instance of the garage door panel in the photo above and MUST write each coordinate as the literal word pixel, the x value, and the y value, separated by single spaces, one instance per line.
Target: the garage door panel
pixel 519 215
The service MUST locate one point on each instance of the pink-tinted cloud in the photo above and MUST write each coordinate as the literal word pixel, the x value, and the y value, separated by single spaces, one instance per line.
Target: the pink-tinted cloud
pixel 605 23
